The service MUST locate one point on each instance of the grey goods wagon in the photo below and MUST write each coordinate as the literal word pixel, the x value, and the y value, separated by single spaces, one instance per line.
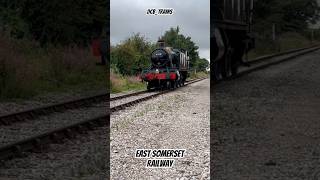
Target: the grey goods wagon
pixel 231 37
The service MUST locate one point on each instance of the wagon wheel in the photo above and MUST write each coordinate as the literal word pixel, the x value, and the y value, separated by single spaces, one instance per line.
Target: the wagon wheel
pixel 226 70
pixel 234 68
pixel 216 74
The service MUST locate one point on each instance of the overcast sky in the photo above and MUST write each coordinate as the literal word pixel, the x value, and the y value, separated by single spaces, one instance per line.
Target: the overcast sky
pixel 192 16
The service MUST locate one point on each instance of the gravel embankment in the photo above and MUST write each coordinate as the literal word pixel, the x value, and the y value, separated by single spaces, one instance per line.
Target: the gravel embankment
pixel 178 120
pixel 83 158
pixel 266 124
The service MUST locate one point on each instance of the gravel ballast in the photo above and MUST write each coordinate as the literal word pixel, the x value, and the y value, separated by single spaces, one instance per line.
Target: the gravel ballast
pixel 82 158
pixel 178 120
pixel 266 124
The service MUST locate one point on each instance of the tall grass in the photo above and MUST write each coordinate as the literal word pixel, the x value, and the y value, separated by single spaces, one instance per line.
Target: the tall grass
pixel 196 75
pixel 120 83
pixel 26 69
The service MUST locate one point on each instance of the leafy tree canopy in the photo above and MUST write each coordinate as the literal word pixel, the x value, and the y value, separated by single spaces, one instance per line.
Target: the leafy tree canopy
pixel 174 39
pixel 56 22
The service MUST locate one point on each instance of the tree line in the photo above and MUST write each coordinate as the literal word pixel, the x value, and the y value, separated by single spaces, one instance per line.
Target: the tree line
pixel 133 54
pixel 57 22
pixel 292 15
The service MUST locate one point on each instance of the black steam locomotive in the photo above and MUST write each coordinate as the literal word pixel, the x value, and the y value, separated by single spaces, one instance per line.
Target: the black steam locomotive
pixel 169 68
pixel 230 36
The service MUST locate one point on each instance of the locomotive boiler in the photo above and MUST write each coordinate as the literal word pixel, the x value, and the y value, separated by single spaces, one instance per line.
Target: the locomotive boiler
pixel 169 68
pixel 231 36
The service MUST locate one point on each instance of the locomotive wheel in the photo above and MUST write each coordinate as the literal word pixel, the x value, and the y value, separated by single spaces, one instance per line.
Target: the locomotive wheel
pixel 149 86
pixel 226 70
pixel 168 85
pixel 179 83
pixel 173 85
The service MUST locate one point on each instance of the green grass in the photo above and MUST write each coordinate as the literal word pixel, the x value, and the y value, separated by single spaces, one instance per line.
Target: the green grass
pixel 197 75
pixel 285 42
pixel 27 70
pixel 120 83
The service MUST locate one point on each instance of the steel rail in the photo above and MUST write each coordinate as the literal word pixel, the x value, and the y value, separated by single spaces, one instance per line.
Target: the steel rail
pixel 33 113
pixel 261 63
pixel 269 60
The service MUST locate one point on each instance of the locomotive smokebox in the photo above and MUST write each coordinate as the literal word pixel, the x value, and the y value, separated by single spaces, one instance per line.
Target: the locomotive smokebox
pixel 160 58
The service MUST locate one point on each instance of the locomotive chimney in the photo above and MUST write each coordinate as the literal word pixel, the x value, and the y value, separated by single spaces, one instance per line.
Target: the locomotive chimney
pixel 161 43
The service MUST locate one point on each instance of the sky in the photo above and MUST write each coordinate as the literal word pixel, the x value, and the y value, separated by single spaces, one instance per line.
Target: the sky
pixel 192 16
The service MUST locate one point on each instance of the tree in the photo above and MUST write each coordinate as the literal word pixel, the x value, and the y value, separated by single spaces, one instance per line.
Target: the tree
pixel 132 55
pixel 174 39
pixel 202 64
pixel 288 15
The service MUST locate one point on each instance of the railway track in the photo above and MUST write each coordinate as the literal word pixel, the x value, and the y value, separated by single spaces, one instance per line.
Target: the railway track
pixel 34 113
pixel 273 59
pixel 38 141
pixel 30 114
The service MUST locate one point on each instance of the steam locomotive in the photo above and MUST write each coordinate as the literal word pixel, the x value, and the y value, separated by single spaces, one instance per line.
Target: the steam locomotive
pixel 231 36
pixel 169 68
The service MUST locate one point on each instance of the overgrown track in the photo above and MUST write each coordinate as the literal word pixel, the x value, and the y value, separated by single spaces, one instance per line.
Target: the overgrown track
pixel 273 59
pixel 29 114
pixel 36 143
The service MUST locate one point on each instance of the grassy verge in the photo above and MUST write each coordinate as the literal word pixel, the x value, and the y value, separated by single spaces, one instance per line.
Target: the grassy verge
pixel 120 83
pixel 285 42
pixel 27 70
pixel 201 74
